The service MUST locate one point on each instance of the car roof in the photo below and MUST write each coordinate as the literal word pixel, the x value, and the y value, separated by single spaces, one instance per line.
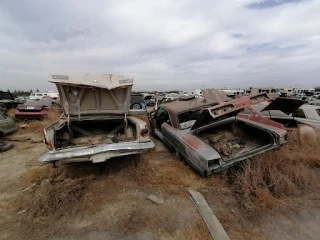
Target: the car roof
pixel 308 106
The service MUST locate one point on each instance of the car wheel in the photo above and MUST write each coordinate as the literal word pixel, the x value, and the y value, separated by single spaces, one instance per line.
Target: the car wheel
pixel 5 146
pixel 136 106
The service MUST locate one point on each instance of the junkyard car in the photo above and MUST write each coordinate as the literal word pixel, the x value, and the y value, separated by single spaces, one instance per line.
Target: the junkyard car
pixel 9 100
pixel 207 133
pixel 137 102
pixel 32 109
pixel 96 124
pixel 7 124
pixel 290 112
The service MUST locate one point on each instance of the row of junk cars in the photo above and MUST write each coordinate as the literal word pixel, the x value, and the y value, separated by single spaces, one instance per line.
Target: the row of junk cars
pixel 211 132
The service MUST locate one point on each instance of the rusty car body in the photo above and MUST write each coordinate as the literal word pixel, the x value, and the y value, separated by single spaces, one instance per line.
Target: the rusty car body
pixel 96 124
pixel 289 112
pixel 207 133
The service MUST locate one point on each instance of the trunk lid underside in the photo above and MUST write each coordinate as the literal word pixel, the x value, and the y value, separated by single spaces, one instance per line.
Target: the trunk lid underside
pixel 89 94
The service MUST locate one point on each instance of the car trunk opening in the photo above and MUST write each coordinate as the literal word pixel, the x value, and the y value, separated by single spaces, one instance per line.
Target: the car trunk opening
pixel 95 132
pixel 234 139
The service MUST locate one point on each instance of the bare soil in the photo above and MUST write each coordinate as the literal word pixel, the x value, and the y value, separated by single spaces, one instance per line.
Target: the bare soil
pixel 109 200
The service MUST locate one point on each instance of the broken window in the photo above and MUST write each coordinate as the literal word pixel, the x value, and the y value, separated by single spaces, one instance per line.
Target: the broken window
pixel 299 113
pixel 318 111
pixel 187 119
pixel 162 116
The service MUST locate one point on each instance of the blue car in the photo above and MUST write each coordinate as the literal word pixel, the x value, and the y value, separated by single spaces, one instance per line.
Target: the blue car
pixel 137 102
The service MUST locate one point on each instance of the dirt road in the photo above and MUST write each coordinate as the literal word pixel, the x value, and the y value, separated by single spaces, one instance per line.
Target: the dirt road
pixel 109 201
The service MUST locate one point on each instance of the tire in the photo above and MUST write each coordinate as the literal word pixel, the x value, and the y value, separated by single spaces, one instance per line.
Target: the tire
pixel 136 105
pixel 4 146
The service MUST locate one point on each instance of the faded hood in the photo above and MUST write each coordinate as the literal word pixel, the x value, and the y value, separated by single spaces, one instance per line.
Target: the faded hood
pixel 286 105
pixel 228 109
pixel 93 94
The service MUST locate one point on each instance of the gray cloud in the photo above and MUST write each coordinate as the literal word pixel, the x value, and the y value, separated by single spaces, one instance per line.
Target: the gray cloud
pixel 271 3
pixel 163 45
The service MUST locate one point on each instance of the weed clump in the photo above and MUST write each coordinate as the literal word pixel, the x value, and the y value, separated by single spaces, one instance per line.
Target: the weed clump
pixel 275 176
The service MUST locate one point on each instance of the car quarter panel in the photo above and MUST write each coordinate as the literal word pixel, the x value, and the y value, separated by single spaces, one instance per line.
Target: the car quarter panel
pixel 195 151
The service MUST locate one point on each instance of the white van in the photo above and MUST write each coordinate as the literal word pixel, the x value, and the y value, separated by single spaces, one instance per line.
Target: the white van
pixel 39 95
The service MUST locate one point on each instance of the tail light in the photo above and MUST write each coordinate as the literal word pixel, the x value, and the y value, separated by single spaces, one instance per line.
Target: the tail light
pixel 144 132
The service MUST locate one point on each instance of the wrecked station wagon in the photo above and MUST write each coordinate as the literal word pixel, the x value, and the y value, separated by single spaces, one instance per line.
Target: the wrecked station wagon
pixel 209 136
pixel 96 124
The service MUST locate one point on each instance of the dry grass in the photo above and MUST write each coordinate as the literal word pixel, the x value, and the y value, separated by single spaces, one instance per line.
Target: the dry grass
pixel 168 172
pixel 274 177
pixel 56 190
pixel 37 126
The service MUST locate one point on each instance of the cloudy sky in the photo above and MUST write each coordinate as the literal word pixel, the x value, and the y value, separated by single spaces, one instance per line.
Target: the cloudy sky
pixel 167 44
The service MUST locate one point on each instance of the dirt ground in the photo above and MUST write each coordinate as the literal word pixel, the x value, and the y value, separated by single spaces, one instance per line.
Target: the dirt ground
pixel 109 200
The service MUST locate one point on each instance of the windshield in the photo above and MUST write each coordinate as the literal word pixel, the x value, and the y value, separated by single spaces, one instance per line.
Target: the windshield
pixel 41 103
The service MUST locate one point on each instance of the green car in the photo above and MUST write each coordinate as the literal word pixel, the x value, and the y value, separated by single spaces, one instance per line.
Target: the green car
pixel 7 124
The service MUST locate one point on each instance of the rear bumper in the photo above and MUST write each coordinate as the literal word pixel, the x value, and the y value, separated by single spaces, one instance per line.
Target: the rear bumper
pixel 24 115
pixel 95 154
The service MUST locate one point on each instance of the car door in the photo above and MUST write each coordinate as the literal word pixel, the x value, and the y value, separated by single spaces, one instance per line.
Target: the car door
pixel 6 123
pixel 161 116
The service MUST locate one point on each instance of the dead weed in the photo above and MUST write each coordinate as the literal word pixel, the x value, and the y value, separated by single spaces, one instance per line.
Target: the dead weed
pixel 272 178
pixel 166 172
pixel 37 126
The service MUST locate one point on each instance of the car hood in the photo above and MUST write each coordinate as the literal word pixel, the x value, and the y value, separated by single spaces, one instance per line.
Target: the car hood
pixel 286 105
pixel 228 109
pixel 93 94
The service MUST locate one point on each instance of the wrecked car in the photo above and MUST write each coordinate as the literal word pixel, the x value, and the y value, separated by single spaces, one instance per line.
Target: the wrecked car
pixel 137 102
pixel 7 124
pixel 9 100
pixel 96 124
pixel 209 136
pixel 32 109
pixel 289 112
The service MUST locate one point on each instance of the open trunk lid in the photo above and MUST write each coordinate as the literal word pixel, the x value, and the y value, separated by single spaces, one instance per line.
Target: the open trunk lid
pixel 93 94
pixel 228 109
pixel 286 105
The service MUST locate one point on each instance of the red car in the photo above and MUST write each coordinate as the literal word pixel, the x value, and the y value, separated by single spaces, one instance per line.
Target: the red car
pixel 33 109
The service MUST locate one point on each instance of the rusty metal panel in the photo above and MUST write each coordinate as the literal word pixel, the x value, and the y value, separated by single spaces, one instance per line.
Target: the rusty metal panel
pixel 215 95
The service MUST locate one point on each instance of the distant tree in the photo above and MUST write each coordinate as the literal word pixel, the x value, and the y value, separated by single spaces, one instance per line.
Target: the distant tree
pixel 8 90
pixel 317 89
pixel 37 90
pixel 31 91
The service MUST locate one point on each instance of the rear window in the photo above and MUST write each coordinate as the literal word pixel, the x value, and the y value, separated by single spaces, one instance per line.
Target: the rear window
pixel 299 113
pixel 39 94
pixel 6 95
pixel 136 98
pixel 188 116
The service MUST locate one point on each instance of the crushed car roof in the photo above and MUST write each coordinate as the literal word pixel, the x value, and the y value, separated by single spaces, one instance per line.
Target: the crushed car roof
pixel 108 81
pixel 211 97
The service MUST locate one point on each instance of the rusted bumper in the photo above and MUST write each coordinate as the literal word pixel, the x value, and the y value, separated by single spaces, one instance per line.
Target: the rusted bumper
pixel 95 154
pixel 31 115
